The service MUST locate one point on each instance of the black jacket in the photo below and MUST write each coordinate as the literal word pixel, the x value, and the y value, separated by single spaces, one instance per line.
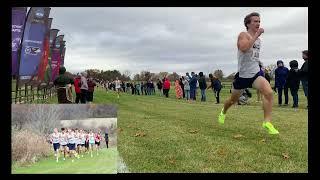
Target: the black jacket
pixel 202 83
pixel 303 72
pixel 293 80
pixel 216 85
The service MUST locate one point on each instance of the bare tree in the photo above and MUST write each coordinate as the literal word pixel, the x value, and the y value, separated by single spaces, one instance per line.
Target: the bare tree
pixel 272 68
pixel 127 73
pixel 173 76
pixel 231 76
pixel 163 74
pixel 218 73
pixel 42 118
pixel 136 77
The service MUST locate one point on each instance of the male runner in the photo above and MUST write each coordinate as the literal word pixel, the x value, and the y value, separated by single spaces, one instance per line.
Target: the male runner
pixel 249 71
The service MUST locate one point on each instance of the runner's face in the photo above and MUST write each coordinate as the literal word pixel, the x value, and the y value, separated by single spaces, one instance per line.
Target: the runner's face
pixel 304 56
pixel 254 24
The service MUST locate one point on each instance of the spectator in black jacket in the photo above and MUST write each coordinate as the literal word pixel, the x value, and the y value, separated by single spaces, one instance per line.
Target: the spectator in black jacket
pixel 216 87
pixel 293 81
pixel 303 73
pixel 202 86
pixel 159 85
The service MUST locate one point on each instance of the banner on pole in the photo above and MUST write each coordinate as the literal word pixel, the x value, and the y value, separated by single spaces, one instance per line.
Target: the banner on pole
pixel 33 41
pixel 18 21
pixel 44 60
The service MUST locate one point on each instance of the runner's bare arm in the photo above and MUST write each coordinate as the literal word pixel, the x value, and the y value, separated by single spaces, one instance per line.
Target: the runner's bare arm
pixel 245 42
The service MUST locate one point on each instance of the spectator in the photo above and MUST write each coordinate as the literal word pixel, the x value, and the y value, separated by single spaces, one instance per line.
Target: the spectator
pixel 293 82
pixel 138 88
pixel 193 85
pixel 159 85
pixel 63 84
pixel 186 87
pixel 166 87
pixel 182 87
pixel 77 85
pixel 178 89
pixel 303 73
pixel 84 88
pixel 281 74
pixel 91 85
pixel 202 86
pixel 216 87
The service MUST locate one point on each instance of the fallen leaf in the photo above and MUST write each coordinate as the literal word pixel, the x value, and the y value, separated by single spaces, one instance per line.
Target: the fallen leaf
pixel 140 134
pixel 120 129
pixel 285 156
pixel 222 152
pixel 238 136
pixel 263 140
pixel 172 160
pixel 194 131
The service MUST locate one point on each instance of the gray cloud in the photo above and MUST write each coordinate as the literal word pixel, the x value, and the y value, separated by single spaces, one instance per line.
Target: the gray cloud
pixel 174 39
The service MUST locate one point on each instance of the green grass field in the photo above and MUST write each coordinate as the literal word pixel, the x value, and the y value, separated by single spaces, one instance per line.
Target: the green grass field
pixel 158 134
pixel 105 163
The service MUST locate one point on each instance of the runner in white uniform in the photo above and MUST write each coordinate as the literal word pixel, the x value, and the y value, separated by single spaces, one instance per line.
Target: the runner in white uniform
pixel 55 139
pixel 63 143
pixel 91 141
pixel 83 140
pixel 78 141
pixel 118 86
pixel 72 144
pixel 249 72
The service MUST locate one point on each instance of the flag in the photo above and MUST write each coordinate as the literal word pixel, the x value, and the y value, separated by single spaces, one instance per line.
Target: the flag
pixel 48 72
pixel 18 21
pixel 53 35
pixel 44 61
pixel 62 55
pixel 56 57
pixel 55 63
pixel 33 41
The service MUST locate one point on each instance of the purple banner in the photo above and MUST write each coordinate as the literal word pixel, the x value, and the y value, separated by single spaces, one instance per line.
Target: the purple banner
pixel 18 20
pixel 33 39
pixel 55 63
pixel 62 55
pixel 53 35
pixel 59 41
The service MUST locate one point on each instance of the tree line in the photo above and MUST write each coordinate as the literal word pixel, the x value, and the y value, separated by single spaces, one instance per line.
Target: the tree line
pixel 110 75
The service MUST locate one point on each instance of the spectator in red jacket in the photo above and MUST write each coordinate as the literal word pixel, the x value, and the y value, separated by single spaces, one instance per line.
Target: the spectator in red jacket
pixel 77 85
pixel 166 87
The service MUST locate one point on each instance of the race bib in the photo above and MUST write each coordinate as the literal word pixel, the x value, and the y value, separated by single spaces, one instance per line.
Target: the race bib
pixel 255 51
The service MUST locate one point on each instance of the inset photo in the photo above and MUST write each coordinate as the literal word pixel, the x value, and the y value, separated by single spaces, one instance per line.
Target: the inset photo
pixel 64 139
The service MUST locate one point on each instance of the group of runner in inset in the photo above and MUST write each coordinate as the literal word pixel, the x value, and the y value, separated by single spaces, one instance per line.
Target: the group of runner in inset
pixel 75 143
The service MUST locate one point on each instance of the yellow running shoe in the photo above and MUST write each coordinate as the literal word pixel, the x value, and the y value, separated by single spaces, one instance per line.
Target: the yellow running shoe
pixel 270 128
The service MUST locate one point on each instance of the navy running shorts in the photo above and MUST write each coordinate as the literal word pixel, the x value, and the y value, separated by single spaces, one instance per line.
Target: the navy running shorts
pixel 72 146
pixel 243 83
pixel 56 146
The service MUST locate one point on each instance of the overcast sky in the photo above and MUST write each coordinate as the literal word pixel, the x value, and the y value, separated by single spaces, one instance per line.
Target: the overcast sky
pixel 174 39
